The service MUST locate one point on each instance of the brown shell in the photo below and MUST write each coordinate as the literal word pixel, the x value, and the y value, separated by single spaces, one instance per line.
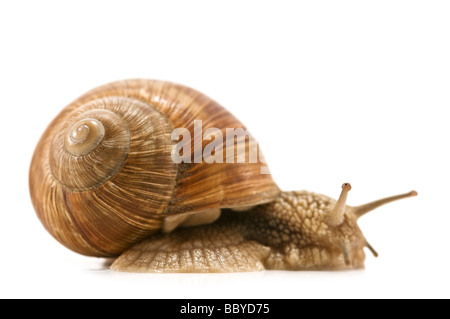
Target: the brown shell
pixel 101 201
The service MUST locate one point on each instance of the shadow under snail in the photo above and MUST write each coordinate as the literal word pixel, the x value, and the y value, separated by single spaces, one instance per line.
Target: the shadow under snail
pixel 103 183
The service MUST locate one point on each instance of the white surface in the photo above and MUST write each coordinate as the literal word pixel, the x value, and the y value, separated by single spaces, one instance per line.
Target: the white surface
pixel 334 91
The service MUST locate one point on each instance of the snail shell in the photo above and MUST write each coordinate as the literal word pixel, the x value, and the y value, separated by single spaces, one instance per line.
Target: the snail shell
pixel 102 177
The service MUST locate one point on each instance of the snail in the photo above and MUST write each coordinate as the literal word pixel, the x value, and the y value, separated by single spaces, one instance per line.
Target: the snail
pixel 104 182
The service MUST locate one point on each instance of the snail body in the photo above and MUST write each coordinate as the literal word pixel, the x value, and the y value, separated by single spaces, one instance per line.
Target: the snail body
pixel 297 231
pixel 104 183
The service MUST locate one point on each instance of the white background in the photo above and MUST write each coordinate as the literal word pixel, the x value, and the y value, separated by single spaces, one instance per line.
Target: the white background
pixel 334 91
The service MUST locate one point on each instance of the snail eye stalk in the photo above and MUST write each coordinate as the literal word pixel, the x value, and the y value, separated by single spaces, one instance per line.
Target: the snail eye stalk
pixel 336 217
pixel 361 210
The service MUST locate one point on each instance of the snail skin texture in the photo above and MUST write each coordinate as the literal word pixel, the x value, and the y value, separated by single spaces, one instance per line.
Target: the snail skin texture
pixel 103 183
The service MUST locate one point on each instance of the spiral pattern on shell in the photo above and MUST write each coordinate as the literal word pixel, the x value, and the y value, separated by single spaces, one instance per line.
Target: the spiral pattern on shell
pixel 93 149
pixel 102 177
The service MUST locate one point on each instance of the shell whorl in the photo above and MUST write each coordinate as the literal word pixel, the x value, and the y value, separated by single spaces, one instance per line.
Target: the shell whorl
pixel 92 149
pixel 94 192
pixel 84 136
pixel 102 177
